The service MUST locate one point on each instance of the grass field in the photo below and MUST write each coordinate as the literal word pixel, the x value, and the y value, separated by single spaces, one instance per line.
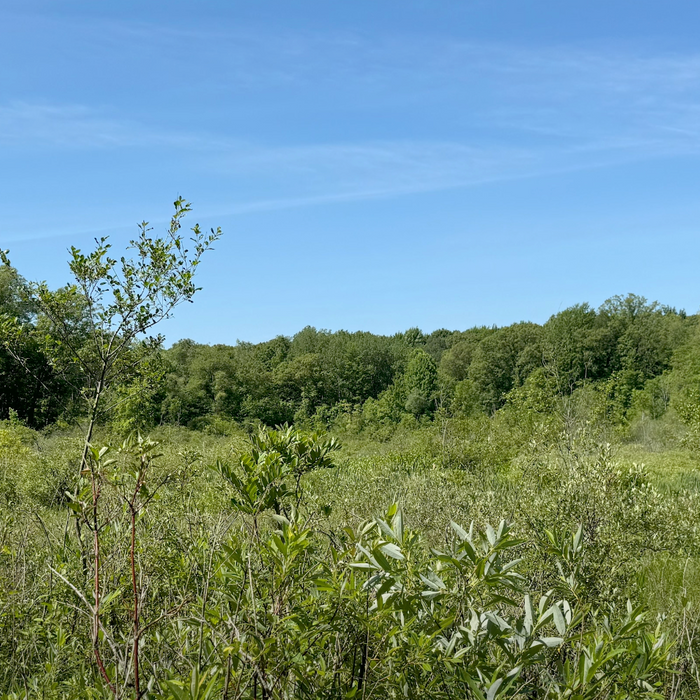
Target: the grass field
pixel 636 502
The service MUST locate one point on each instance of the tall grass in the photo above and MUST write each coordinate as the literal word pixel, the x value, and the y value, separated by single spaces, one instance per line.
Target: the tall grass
pixel 292 600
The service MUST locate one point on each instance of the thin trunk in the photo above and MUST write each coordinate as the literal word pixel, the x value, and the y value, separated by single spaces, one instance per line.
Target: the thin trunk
pixel 93 419
pixel 227 678
pixel 137 687
pixel 95 488
pixel 363 665
pixel 84 464
pixel 363 660
pixel 96 609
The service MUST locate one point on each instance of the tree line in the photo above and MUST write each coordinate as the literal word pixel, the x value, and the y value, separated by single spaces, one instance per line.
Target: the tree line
pixel 636 355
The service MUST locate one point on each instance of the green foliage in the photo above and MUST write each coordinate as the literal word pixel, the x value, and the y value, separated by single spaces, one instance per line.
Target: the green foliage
pixel 466 398
pixel 537 395
pixel 319 377
pixel 286 580
pixel 138 403
pixel 30 384
pixel 575 347
pixel 279 381
pixel 92 332
pixel 269 475
pixel 503 360
pixel 207 564
pixel 654 399
pixel 455 362
pixel 420 382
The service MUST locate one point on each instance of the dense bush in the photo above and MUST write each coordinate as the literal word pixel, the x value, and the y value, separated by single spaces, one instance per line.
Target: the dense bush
pixel 276 566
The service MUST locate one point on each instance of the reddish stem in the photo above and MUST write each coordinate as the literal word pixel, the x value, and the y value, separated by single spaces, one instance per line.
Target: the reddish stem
pixel 136 606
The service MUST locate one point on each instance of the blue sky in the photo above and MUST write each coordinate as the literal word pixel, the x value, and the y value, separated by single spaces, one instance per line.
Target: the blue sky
pixel 375 165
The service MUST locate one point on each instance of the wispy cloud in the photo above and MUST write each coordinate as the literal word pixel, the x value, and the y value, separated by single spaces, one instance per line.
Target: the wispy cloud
pixel 470 112
pixel 344 173
pixel 79 127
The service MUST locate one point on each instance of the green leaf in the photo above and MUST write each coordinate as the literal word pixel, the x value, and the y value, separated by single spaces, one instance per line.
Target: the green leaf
pixel 493 689
pixel 459 530
pixel 551 641
pixel 528 620
pixel 559 620
pixel 392 550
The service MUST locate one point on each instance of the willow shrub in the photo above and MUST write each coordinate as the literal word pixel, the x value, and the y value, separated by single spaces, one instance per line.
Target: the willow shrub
pixel 267 596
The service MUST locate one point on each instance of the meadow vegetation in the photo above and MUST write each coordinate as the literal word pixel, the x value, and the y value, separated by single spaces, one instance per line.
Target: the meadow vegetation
pixel 491 513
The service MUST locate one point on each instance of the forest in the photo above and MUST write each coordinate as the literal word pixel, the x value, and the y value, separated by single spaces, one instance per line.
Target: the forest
pixel 496 512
